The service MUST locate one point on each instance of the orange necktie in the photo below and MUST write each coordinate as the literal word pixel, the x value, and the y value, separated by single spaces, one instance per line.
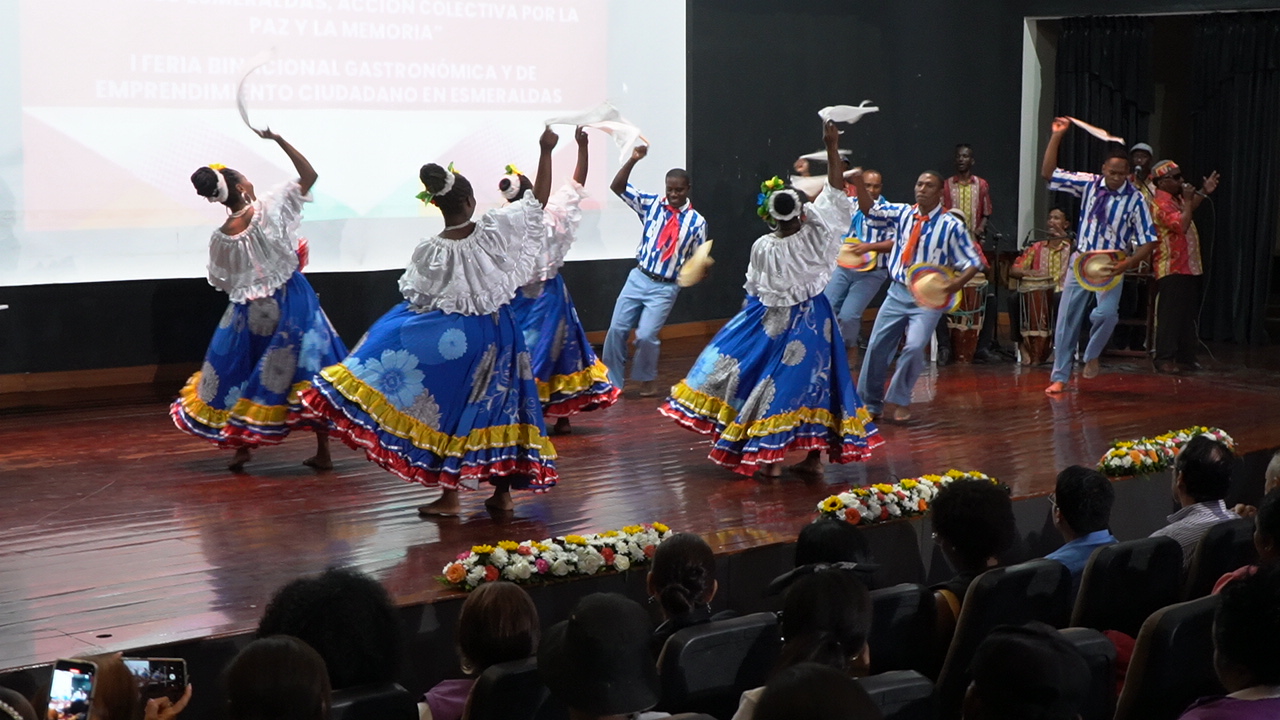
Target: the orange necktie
pixel 909 255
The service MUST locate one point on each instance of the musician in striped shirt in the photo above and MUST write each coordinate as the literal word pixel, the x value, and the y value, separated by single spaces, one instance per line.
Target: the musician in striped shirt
pixel 1113 216
pixel 672 231
pixel 923 233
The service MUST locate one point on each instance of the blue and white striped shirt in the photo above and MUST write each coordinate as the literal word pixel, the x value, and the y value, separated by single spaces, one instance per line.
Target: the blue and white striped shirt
pixel 1128 223
pixel 859 228
pixel 944 239
pixel 654 211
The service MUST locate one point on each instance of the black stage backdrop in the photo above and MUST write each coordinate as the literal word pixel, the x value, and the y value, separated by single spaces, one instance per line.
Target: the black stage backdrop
pixel 943 72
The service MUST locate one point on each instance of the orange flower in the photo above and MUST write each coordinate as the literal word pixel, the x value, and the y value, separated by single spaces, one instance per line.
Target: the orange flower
pixel 922 505
pixel 455 573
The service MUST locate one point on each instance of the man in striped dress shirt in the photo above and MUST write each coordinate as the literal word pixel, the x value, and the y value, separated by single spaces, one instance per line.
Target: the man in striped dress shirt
pixel 672 231
pixel 922 233
pixel 1113 216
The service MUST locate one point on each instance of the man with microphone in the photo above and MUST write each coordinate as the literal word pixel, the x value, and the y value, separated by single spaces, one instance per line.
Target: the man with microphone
pixel 1176 262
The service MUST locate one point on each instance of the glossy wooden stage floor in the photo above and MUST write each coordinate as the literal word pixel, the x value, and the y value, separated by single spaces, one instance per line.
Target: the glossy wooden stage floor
pixel 118 532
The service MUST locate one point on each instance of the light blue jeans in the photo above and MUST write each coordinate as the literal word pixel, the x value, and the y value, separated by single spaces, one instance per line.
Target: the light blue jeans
pixel 1071 315
pixel 898 314
pixel 850 292
pixel 643 306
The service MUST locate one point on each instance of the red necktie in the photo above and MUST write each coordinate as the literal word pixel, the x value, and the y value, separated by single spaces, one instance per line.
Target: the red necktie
pixel 670 232
pixel 909 255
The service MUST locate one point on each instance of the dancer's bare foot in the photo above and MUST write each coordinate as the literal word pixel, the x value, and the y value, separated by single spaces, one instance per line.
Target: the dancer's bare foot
pixel 1055 388
pixel 811 466
pixel 321 460
pixel 238 460
pixel 770 471
pixel 648 389
pixel 1091 369
pixel 446 506
pixel 500 501
pixel 562 427
pixel 901 414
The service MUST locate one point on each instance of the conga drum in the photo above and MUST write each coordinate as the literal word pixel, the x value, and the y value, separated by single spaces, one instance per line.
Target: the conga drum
pixel 965 321
pixel 1037 314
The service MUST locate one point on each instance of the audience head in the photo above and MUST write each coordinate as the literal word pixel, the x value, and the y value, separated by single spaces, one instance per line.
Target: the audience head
pixel 116 695
pixel 1266 533
pixel 973 522
pixel 810 691
pixel 678 184
pixel 1202 472
pixel 1082 500
pixel 598 661
pixel 829 540
pixel 1115 168
pixel 683 574
pixel 498 623
pixel 826 618
pixel 344 615
pixel 448 190
pixel 1272 476
pixel 277 678
pixel 1246 631
pixel 24 682
pixel 1026 673
pixel 18 703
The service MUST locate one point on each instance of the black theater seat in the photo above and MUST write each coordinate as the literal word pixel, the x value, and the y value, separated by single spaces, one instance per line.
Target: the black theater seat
pixel 902 695
pixel 1100 654
pixel 387 701
pixel 902 629
pixel 1126 582
pixel 706 668
pixel 1226 547
pixel 1172 662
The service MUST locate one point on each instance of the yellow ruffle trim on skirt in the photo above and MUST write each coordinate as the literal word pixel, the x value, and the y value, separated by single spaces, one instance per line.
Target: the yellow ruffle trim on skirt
pixel 245 410
pixel 723 413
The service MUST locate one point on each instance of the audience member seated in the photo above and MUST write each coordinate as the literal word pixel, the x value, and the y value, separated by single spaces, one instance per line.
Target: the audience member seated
pixel 24 682
pixel 498 623
pixel 1266 538
pixel 1246 633
pixel 1271 481
pixel 597 663
pixel 682 580
pixel 826 618
pixel 15 706
pixel 1026 673
pixel 973 525
pixel 1082 500
pixel 277 678
pixel 828 542
pixel 345 616
pixel 1201 478
pixel 812 691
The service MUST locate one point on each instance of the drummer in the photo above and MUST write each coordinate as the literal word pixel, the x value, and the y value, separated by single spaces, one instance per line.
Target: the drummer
pixel 851 290
pixel 923 233
pixel 1113 217
pixel 1043 260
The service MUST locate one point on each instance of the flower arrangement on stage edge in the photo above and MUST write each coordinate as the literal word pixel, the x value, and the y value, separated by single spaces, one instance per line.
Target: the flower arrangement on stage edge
pixel 532 562
pixel 1154 454
pixel 885 501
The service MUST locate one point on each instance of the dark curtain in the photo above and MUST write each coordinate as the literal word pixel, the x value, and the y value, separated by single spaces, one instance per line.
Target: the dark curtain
pixel 1236 131
pixel 1103 77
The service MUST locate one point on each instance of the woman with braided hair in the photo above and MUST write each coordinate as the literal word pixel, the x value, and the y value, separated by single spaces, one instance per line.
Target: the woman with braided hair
pixel 273 336
pixel 440 391
pixel 776 378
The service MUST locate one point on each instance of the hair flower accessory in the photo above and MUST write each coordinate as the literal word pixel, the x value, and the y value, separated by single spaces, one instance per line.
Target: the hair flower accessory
pixel 764 201
pixel 223 191
pixel 427 196
pixel 509 185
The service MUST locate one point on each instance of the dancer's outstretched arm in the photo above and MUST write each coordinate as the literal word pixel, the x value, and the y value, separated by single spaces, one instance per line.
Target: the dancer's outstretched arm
pixel 619 184
pixel 542 181
pixel 306 174
pixel 580 170
pixel 835 165
pixel 1050 161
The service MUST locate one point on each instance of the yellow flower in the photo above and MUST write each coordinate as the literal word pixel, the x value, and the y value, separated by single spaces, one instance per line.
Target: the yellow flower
pixel 540 547
pixel 575 539
pixel 611 533
pixel 217 166
pixel 883 487
pixel 482 549
pixel 861 492
pixel 932 478
pixel 954 473
pixel 832 504
pixel 660 527
pixel 909 484
pixel 633 529
pixel 509 546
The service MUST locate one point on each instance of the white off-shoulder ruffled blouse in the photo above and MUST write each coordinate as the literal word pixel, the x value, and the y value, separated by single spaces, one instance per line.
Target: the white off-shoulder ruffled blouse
pixel 789 270
pixel 480 273
pixel 256 262
pixel 561 216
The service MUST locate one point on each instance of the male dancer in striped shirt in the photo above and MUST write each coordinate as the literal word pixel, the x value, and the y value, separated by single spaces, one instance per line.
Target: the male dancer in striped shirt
pixel 672 231
pixel 923 233
pixel 1113 216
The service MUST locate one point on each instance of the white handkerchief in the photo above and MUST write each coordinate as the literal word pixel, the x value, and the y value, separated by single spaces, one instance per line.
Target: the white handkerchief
pixel 1096 131
pixel 254 63
pixel 603 112
pixel 847 113
pixel 811 186
pixel 607 118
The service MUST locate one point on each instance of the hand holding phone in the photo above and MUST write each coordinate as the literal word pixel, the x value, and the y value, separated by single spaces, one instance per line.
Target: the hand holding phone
pixel 71 689
pixel 159 677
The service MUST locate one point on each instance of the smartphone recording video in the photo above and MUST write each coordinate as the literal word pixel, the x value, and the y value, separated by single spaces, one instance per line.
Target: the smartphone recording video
pixel 71 690
pixel 159 677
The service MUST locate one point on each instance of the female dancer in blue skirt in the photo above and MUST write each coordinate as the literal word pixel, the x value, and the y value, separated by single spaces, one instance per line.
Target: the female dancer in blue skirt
pixel 273 336
pixel 571 379
pixel 440 391
pixel 776 378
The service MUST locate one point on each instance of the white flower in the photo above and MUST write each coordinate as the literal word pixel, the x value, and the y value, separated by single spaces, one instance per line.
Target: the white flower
pixel 264 316
pixel 452 344
pixel 207 390
pixel 279 365
pixel 475 576
pixel 499 557
pixel 589 561
pixel 395 375
pixel 722 381
pixel 559 568
pixel 518 570
pixel 621 562
pixel 425 410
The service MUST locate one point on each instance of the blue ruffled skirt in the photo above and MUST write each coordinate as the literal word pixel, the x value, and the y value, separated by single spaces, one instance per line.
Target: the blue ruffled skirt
pixel 771 381
pixel 441 399
pixel 262 356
